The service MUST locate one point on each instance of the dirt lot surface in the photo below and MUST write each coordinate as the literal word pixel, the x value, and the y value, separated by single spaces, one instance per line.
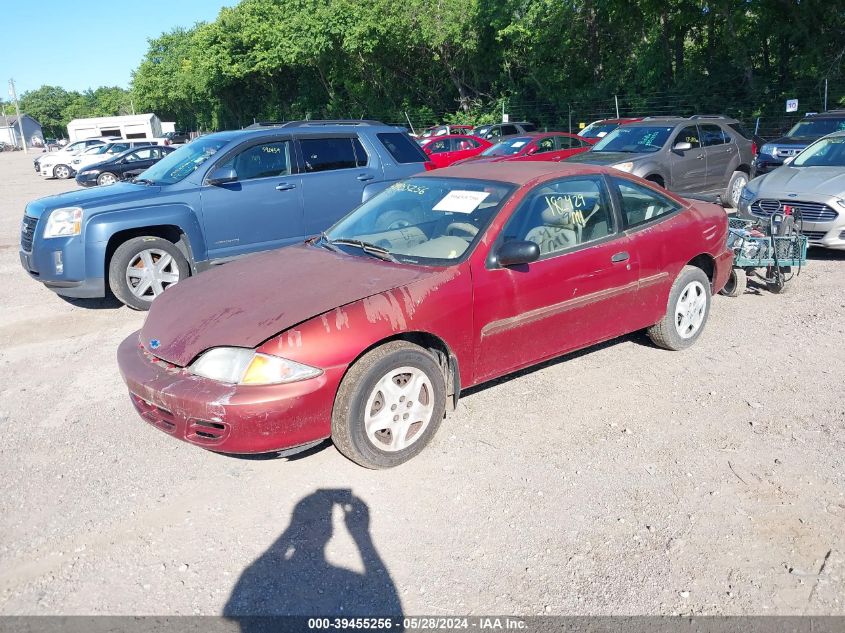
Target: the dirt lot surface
pixel 624 479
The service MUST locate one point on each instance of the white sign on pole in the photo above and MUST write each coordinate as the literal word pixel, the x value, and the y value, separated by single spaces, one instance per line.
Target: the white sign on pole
pixel 792 105
pixel 505 117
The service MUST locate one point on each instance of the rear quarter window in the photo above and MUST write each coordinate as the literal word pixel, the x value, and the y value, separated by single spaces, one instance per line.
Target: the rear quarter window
pixel 402 148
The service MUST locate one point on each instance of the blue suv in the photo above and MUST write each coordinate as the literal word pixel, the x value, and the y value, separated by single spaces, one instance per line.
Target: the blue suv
pixel 219 197
pixel 808 130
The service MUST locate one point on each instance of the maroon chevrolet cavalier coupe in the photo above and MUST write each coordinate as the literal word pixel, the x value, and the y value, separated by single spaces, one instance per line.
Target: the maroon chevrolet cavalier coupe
pixel 367 333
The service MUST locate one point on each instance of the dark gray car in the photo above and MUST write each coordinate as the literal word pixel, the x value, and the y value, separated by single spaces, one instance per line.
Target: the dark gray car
pixel 701 155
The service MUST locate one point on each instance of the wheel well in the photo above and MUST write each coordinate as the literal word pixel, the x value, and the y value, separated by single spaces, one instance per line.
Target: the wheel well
pixel 169 232
pixel 657 180
pixel 746 169
pixel 705 263
pixel 445 358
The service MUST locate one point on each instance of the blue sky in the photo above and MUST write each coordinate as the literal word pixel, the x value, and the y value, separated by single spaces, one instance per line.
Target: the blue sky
pixel 86 43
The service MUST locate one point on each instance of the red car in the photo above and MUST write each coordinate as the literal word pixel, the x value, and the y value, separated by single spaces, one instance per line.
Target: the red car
pixel 597 130
pixel 368 333
pixel 445 150
pixel 535 146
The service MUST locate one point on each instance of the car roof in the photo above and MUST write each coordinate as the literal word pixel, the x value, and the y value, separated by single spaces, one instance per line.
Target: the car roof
pixel 317 128
pixel 513 172
pixel 460 136
pixel 830 114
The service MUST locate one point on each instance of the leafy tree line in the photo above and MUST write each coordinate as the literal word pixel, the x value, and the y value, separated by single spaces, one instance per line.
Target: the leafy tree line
pixel 54 107
pixel 463 60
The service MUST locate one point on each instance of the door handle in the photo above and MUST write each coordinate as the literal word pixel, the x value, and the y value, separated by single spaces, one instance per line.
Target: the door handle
pixel 365 177
pixel 620 257
pixel 285 186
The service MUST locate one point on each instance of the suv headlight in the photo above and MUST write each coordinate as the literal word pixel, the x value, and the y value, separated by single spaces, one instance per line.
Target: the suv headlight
pixel 238 365
pixel 64 222
pixel 624 166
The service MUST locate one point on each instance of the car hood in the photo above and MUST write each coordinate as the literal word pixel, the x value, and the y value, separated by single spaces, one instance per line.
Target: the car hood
pixel 246 302
pixel 90 198
pixel 787 180
pixel 796 141
pixel 604 158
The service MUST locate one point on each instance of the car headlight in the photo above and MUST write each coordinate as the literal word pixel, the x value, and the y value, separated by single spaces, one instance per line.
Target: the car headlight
pixel 768 149
pixel 64 222
pixel 746 195
pixel 624 166
pixel 237 365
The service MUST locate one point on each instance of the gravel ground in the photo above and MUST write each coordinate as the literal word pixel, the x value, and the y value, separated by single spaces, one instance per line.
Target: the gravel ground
pixel 620 480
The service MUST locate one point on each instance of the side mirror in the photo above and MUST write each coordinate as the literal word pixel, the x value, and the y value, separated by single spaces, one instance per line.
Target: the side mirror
pixel 517 252
pixel 682 147
pixel 222 176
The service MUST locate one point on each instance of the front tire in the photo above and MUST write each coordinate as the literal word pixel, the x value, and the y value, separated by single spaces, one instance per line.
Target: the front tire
pixel 686 313
pixel 106 178
pixel 389 405
pixel 144 267
pixel 62 172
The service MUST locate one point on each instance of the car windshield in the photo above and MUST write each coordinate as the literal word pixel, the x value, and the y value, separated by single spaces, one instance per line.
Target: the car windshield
pixel 827 152
pixel 816 128
pixel 507 148
pixel 634 140
pixel 597 130
pixel 482 130
pixel 183 162
pixel 429 221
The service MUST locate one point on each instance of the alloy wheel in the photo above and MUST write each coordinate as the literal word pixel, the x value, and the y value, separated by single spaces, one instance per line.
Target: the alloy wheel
pixel 150 273
pixel 690 309
pixel 399 409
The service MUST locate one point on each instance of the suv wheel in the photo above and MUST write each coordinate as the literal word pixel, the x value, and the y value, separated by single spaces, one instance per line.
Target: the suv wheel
pixel 735 187
pixel 144 267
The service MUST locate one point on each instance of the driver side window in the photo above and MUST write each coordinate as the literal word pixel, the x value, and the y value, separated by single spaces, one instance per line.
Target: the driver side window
pixel 266 160
pixel 562 215
pixel 688 135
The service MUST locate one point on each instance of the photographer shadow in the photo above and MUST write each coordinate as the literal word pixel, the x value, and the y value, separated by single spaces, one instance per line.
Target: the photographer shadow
pixel 294 578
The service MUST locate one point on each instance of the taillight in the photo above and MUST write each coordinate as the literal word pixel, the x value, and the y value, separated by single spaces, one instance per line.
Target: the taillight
pixel 753 148
pixel 429 165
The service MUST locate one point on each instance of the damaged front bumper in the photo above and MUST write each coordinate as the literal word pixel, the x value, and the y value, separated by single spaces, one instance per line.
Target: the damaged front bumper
pixel 222 417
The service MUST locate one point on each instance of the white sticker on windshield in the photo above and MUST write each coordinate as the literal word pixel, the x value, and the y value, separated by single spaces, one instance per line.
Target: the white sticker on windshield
pixel 461 201
pixel 518 143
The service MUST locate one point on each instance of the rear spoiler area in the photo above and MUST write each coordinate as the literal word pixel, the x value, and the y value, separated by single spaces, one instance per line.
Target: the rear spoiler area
pixel 714 198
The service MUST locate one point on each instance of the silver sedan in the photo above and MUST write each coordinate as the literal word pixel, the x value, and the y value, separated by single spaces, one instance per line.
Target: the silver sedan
pixel 810 187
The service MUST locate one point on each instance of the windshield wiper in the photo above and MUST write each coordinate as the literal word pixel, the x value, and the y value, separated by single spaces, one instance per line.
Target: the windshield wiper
pixel 370 249
pixel 327 243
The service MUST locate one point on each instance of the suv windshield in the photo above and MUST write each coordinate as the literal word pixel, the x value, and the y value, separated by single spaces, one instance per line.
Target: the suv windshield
pixel 432 221
pixel 634 139
pixel 597 130
pixel 816 128
pixel 828 152
pixel 507 148
pixel 183 162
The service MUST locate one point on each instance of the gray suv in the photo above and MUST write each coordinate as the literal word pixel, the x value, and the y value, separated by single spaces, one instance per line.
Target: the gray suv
pixel 701 155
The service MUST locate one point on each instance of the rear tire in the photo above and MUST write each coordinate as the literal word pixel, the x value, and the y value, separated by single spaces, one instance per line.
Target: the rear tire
pixel 389 405
pixel 736 284
pixel 735 187
pixel 686 313
pixel 144 267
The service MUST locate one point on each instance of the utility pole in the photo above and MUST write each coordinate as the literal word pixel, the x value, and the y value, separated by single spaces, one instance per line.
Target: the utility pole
pixel 825 95
pixel 616 98
pixel 14 97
